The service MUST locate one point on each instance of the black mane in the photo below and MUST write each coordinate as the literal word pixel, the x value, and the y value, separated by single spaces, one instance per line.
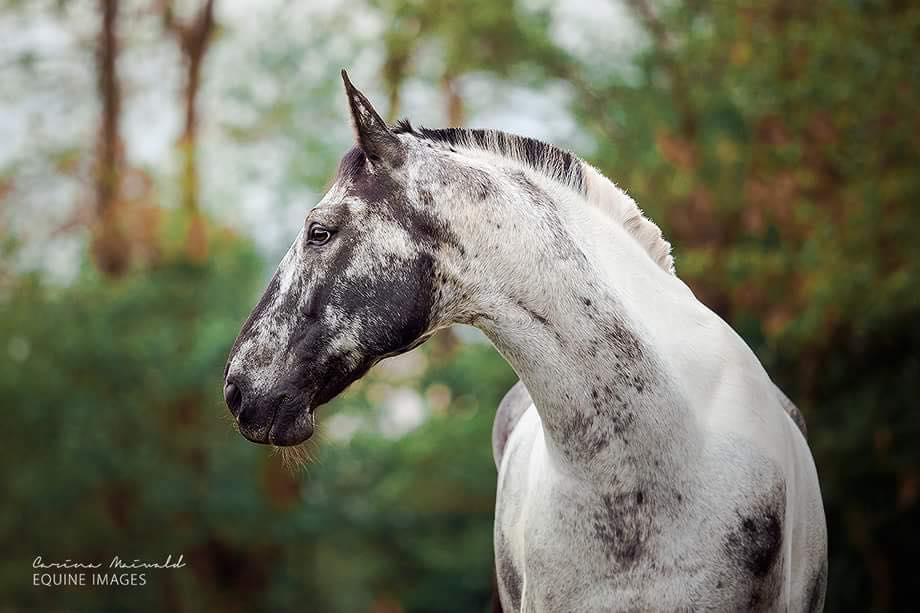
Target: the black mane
pixel 557 163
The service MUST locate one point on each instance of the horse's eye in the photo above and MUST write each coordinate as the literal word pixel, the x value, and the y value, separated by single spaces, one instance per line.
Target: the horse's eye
pixel 318 235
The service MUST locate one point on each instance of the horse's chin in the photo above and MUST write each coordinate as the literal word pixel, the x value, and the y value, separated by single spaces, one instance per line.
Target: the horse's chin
pixel 287 432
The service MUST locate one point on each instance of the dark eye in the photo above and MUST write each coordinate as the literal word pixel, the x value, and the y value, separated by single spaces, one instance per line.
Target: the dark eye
pixel 318 235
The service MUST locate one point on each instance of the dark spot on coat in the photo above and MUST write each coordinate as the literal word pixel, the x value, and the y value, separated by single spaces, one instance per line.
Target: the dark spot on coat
pixel 543 321
pixel 583 434
pixel 818 589
pixel 509 578
pixel 623 340
pixel 477 183
pixel 755 546
pixel 622 524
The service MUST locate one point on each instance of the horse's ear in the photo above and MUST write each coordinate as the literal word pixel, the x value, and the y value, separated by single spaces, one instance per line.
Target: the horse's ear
pixel 375 138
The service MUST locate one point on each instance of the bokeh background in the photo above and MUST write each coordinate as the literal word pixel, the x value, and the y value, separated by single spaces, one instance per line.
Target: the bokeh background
pixel 157 159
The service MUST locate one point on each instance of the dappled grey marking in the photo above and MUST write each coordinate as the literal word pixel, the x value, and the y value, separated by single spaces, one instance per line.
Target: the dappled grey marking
pixel 755 545
pixel 622 488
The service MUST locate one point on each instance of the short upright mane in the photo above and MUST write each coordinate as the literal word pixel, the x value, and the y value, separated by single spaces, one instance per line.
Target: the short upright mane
pixel 561 166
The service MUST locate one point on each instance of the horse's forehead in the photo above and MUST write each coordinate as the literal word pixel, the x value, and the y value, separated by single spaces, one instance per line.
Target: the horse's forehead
pixel 399 211
pixel 364 182
pixel 429 169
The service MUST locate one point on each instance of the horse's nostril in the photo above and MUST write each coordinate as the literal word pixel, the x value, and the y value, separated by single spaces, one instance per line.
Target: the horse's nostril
pixel 234 398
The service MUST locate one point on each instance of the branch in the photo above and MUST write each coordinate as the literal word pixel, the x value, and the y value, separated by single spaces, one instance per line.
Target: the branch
pixel 194 35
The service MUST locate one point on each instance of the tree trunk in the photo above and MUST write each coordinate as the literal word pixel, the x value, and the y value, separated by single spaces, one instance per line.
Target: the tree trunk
pixel 455 113
pixel 109 243
pixel 194 40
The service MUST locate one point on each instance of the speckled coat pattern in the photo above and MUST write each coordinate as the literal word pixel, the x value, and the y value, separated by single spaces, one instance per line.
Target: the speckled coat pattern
pixel 646 460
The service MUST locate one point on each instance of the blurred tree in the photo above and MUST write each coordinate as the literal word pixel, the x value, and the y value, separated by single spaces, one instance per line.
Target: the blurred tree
pixel 501 38
pixel 110 243
pixel 194 39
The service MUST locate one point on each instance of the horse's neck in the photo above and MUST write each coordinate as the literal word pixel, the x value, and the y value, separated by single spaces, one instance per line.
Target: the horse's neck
pixel 587 343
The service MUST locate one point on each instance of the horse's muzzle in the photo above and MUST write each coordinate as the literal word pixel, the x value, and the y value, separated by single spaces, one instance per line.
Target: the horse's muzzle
pixel 282 420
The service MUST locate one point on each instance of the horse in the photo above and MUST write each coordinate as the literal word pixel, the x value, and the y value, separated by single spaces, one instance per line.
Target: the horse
pixel 646 461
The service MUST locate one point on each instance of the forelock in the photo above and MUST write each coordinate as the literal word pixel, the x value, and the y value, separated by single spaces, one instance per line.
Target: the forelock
pixel 351 164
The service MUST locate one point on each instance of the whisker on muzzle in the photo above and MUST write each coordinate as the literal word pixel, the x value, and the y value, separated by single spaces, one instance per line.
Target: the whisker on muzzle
pixel 298 457
pixel 230 419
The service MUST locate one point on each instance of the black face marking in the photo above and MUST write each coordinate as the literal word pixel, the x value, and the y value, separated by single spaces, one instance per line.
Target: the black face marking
pixel 424 227
pixel 755 543
pixel 388 200
pixel 330 327
pixel 397 314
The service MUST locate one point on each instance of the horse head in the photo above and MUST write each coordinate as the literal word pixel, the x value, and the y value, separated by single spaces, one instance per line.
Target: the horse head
pixel 360 283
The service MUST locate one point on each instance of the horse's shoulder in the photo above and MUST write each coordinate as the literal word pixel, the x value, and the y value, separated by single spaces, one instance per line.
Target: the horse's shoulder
pixel 516 401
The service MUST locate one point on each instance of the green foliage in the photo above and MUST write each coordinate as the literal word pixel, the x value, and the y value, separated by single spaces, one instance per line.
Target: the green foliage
pixel 117 443
pixel 110 390
pixel 475 35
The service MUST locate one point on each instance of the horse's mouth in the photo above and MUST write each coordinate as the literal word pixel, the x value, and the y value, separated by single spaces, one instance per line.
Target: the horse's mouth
pixel 290 425
pixel 294 433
